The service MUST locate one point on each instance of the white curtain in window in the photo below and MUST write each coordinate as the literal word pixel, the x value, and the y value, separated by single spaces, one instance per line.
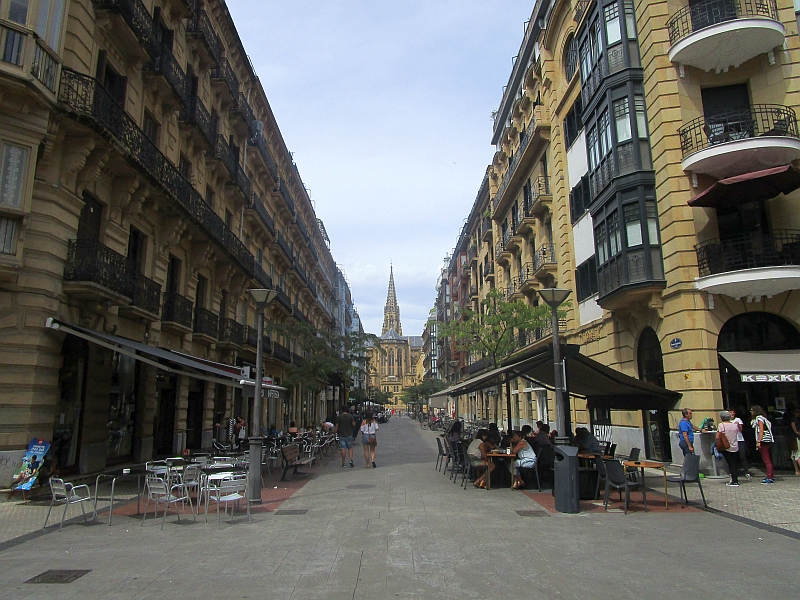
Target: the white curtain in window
pixel 12 176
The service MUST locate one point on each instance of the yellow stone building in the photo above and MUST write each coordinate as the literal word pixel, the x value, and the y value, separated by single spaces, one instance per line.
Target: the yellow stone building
pixel 619 120
pixel 145 187
pixel 393 366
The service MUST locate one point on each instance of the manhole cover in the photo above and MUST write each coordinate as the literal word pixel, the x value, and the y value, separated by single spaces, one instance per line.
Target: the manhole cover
pixel 59 576
pixel 360 486
pixel 532 513
pixel 296 511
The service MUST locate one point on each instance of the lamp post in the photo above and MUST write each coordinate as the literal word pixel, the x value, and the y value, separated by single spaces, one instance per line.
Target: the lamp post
pixel 555 297
pixel 262 297
pixel 454 366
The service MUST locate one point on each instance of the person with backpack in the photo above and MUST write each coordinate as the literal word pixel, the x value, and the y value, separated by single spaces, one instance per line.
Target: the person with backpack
pixel 764 440
pixel 728 444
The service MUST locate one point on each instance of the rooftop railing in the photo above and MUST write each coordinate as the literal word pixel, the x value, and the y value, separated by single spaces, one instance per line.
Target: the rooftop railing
pixel 700 15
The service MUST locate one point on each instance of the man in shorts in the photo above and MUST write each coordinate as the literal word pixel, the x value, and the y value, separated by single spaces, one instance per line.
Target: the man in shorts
pixel 345 426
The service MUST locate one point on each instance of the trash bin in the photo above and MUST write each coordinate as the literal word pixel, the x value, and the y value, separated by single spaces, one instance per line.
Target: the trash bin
pixel 565 479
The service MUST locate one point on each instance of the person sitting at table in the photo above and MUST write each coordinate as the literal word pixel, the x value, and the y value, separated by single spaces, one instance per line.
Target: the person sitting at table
pixel 552 436
pixel 293 428
pixel 586 441
pixel 327 426
pixel 542 435
pixel 494 433
pixel 476 452
pixel 526 458
pixel 526 431
pixel 454 435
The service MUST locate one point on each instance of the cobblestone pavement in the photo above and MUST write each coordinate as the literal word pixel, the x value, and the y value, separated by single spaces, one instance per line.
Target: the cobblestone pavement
pixel 405 530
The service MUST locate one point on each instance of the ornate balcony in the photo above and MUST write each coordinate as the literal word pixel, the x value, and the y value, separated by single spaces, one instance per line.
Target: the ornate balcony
pixel 297 360
pixel 473 292
pixel 283 302
pixel 527 278
pixel 486 229
pixel 300 272
pixel 24 56
pixel 261 277
pixel 258 141
pixel 138 23
pixel 206 325
pixel 301 227
pixel 283 246
pixel 224 76
pixel 541 198
pixel 544 262
pixel 286 195
pixel 488 271
pixel 472 254
pixel 740 141
pixel 201 30
pixel 177 313
pixel 257 206
pixel 165 65
pixel 195 113
pixel 503 250
pixel 718 34
pixel 231 334
pixel 242 109
pixel 86 101
pixel 750 265
pixel 281 352
pixel 94 270
pixel 222 152
pixel 251 337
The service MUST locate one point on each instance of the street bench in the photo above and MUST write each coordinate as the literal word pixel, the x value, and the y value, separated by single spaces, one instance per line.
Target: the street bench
pixel 291 458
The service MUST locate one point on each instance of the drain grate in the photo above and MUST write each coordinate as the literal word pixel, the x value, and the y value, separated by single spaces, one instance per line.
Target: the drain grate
pixel 361 486
pixel 59 576
pixel 532 513
pixel 295 511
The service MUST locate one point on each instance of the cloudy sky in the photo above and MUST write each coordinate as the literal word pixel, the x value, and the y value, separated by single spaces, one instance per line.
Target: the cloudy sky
pixel 386 107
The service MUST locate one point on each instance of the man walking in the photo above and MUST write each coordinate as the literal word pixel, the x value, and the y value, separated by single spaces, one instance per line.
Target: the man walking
pixel 686 431
pixel 345 425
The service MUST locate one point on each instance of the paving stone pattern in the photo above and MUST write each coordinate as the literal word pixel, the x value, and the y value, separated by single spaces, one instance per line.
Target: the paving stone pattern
pixel 413 535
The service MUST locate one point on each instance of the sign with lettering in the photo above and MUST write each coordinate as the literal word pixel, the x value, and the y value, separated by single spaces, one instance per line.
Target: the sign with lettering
pixel 676 343
pixel 771 378
pixel 25 477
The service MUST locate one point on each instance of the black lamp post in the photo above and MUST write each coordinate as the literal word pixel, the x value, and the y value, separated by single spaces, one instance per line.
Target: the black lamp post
pixel 555 297
pixel 262 297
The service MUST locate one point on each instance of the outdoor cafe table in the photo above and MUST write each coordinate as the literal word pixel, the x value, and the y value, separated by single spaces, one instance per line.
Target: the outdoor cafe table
pixel 649 464
pixel 216 473
pixel 489 471
pixel 121 473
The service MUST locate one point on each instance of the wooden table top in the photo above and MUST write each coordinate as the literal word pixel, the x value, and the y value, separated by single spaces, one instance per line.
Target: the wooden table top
pixel 584 455
pixel 500 455
pixel 647 464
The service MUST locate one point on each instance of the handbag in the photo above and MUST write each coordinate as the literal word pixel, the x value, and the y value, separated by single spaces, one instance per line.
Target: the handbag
pixel 722 442
pixel 373 440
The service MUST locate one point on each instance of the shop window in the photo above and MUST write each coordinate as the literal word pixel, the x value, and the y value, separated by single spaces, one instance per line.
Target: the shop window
pixel 12 175
pixel 586 279
pixel 122 407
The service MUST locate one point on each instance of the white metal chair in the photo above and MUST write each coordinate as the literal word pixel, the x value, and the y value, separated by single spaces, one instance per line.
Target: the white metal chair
pixel 230 490
pixel 66 494
pixel 190 479
pixel 160 492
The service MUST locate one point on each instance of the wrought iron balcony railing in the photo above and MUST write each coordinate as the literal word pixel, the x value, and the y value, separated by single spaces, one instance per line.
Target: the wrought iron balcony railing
pixel 737 124
pixel 260 275
pixel 749 251
pixel 231 332
pixel 286 195
pixel 486 229
pixel 242 108
pixel 580 9
pixel 545 256
pixel 206 323
pixel 298 314
pixel 302 228
pixel 200 27
pixel 699 15
pixel 284 247
pixel 258 141
pixel 87 101
pixel 284 302
pixel 91 261
pixel 164 64
pixel 297 360
pixel 301 272
pixel 136 17
pixel 195 113
pixel 145 293
pixel 312 287
pixel 506 239
pixel 498 250
pixel 177 309
pixel 257 206
pixel 224 72
pixel 222 151
pixel 488 269
pixel 251 337
pixel 281 352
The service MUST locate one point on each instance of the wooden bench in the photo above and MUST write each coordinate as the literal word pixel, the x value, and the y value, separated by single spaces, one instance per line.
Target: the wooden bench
pixel 291 458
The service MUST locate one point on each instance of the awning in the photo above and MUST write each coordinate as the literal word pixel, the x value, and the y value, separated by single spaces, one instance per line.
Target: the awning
pixel 438 401
pixel 776 366
pixel 759 185
pixel 174 362
pixel 602 386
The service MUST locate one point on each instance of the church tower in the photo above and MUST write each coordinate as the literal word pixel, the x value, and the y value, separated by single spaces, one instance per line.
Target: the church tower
pixel 391 312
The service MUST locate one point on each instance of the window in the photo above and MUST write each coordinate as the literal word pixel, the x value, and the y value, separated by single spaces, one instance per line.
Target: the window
pixel 600 243
pixel 210 196
pixel 612 223
pixel 228 219
pixel 18 11
pixel 8 229
pixel 185 167
pixel 586 279
pixel 604 134
pixel 573 123
pixel 114 83
pixel 48 21
pixel 630 19
pixel 622 120
pixel 12 175
pixel 652 222
pixel 580 198
pixel 633 225
pixel 641 116
pixel 150 127
pixel 613 31
pixel 570 57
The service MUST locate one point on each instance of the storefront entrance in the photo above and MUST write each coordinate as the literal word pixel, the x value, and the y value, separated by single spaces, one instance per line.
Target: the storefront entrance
pixel 167 388
pixel 69 415
pixel 656 422
pixel 194 414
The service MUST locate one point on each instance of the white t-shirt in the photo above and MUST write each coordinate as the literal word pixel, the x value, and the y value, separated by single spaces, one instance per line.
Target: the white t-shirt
pixel 738 422
pixel 369 428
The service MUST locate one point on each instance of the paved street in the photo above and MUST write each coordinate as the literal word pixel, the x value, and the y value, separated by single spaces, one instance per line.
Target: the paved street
pixel 404 530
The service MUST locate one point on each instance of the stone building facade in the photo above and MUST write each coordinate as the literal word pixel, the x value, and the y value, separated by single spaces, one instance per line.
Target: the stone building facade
pixel 145 187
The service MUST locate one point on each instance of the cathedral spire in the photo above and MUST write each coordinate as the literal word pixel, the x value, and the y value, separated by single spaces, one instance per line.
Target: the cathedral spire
pixel 391 312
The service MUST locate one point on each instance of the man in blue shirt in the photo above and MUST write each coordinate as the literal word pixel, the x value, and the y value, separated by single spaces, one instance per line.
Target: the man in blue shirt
pixel 686 432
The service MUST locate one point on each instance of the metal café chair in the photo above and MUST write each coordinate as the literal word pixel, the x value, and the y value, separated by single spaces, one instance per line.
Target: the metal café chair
pixel 66 494
pixel 231 490
pixel 159 491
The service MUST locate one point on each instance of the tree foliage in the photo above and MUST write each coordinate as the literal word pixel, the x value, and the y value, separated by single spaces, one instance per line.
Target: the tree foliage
pixel 420 392
pixel 492 332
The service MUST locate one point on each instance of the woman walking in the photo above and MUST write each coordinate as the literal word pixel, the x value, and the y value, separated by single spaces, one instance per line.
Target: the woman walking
pixel 369 439
pixel 764 440
pixel 731 432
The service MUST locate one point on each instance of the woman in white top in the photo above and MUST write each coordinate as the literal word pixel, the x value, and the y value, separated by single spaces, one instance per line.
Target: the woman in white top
pixel 526 458
pixel 731 454
pixel 742 444
pixel 369 439
pixel 764 439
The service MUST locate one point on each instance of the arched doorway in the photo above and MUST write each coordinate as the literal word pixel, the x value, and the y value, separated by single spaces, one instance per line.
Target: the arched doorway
pixel 650 362
pixel 756 332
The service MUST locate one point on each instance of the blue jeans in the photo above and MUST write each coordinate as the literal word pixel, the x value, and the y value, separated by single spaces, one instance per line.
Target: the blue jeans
pixel 346 442
pixel 685 448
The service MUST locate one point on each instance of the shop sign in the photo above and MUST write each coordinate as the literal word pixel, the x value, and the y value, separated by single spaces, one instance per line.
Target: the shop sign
pixel 772 378
pixel 676 343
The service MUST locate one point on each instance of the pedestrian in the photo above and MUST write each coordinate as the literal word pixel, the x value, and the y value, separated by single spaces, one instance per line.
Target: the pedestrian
pixel 345 426
pixel 730 431
pixel 686 431
pixel 764 440
pixel 369 439
pixel 795 425
pixel 241 431
pixel 742 443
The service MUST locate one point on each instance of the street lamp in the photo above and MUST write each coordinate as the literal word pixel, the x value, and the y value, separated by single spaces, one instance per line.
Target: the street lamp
pixel 262 297
pixel 454 366
pixel 555 297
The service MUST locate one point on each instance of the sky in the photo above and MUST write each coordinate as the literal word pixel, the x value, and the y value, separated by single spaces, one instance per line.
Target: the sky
pixel 386 107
